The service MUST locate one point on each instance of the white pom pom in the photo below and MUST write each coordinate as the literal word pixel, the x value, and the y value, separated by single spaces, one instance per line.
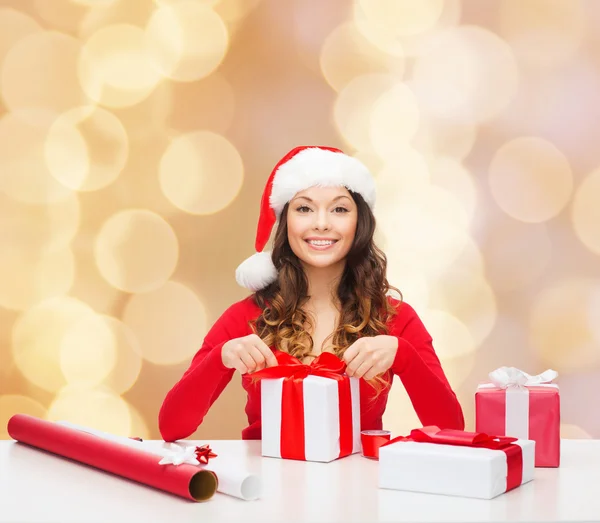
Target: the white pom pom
pixel 256 272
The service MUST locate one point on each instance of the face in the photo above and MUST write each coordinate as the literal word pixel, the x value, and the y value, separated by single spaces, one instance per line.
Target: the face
pixel 321 223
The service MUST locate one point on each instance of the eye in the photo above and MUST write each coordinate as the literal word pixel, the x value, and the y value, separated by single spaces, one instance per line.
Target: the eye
pixel 341 210
pixel 303 208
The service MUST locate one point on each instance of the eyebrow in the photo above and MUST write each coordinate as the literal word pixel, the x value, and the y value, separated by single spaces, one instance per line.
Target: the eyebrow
pixel 311 201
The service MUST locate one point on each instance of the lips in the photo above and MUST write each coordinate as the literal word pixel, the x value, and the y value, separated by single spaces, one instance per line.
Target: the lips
pixel 320 245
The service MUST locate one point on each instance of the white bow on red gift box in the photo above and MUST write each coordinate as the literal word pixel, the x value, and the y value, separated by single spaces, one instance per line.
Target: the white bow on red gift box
pixel 505 377
pixel 524 406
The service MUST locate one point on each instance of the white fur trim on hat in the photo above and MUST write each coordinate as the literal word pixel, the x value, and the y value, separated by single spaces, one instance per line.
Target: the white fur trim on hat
pixel 256 272
pixel 319 167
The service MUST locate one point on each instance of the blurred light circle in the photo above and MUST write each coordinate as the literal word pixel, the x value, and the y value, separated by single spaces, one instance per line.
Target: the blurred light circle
pixel 470 259
pixel 386 22
pixel 469 297
pixel 89 286
pixel 233 12
pixel 394 120
pixel 560 328
pixel 400 179
pixel 371 160
pixel 86 148
pixel 128 364
pixel 409 279
pixel 450 16
pixel 354 106
pixel 142 170
pixel 346 54
pixel 399 416
pixel 441 137
pixel 98 408
pixel 517 253
pixel 44 228
pixel 453 338
pixel 436 240
pixel 465 72
pixel 214 105
pixel 14 25
pixel 37 336
pixel 169 323
pixel 24 175
pixel 403 17
pixel 39 71
pixel 437 234
pixel 95 3
pixel 88 352
pixel 115 68
pixel 60 15
pixel 187 40
pixel 207 3
pixel 543 32
pixel 201 172
pixel 530 179
pixel 585 213
pixel 11 404
pixel 136 250
pixel 134 14
pixel 28 278
pixel 454 178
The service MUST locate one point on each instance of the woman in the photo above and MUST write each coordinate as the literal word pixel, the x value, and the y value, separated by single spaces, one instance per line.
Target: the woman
pixel 322 288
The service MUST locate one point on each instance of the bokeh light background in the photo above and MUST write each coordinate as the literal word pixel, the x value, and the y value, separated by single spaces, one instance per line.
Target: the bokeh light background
pixel 136 137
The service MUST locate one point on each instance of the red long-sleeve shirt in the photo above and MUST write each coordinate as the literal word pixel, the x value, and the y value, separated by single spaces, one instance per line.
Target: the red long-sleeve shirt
pixel 416 364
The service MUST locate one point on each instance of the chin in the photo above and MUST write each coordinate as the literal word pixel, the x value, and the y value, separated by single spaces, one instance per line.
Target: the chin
pixel 321 263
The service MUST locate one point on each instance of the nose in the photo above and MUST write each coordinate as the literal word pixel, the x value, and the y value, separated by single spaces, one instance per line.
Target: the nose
pixel 321 220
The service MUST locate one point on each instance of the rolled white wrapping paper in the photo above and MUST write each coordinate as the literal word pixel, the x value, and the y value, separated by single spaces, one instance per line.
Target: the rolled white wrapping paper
pixel 232 480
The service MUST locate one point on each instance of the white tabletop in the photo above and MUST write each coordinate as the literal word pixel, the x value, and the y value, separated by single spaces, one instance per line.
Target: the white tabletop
pixel 38 486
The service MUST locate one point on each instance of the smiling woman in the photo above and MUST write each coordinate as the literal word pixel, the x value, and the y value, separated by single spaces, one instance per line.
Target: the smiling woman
pixel 323 288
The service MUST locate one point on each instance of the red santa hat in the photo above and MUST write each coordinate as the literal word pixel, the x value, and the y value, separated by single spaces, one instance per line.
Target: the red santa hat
pixel 301 168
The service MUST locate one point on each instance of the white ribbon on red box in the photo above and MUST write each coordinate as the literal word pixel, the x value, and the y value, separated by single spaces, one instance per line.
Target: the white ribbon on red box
pixel 515 382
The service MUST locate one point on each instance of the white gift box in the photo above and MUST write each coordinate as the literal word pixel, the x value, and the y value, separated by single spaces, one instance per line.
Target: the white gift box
pixel 321 417
pixel 452 470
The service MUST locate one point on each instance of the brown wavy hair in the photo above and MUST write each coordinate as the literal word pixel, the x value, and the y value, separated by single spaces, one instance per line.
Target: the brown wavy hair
pixel 361 293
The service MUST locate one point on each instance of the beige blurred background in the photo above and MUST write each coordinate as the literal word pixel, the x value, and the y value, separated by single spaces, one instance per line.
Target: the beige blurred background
pixel 136 137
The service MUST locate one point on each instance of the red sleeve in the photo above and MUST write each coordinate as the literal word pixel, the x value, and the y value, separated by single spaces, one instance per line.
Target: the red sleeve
pixel 188 401
pixel 419 368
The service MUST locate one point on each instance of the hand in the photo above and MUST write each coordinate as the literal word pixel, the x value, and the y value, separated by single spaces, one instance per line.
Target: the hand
pixel 370 356
pixel 247 354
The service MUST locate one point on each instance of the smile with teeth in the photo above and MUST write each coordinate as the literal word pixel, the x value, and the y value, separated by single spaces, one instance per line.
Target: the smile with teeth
pixel 321 244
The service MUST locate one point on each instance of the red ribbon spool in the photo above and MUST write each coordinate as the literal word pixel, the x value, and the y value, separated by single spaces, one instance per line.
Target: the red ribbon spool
pixel 371 440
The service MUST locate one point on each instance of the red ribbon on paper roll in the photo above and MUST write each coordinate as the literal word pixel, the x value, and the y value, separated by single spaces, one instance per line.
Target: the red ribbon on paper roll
pixel 293 372
pixel 514 454
pixel 184 480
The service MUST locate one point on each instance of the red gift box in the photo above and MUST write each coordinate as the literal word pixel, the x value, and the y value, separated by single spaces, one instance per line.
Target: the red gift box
pixel 522 406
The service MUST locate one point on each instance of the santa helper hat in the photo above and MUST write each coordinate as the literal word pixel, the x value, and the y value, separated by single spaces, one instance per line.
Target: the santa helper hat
pixel 300 169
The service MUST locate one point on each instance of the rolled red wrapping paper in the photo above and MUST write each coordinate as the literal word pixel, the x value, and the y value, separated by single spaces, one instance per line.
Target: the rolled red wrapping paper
pixel 187 481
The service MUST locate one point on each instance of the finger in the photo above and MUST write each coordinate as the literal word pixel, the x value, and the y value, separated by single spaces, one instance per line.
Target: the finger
pixel 258 357
pixel 351 352
pixel 355 363
pixel 372 373
pixel 269 357
pixel 365 367
pixel 247 360
pixel 239 366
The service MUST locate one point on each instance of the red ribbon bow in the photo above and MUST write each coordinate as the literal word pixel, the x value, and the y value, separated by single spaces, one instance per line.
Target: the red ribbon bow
pixel 514 454
pixel 204 453
pixel 293 372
